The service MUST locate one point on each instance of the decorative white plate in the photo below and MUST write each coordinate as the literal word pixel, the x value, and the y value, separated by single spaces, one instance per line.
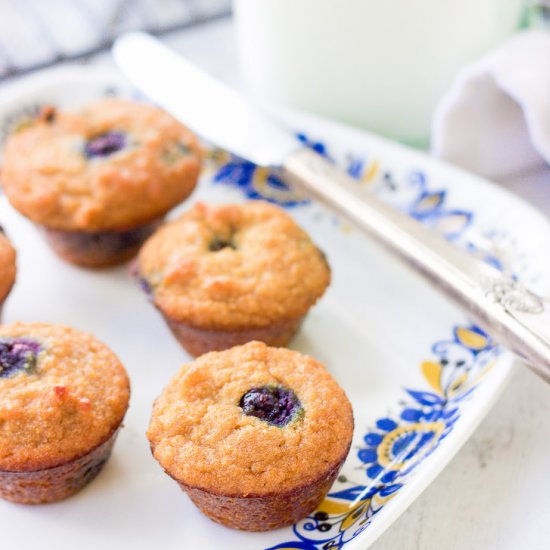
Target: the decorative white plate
pixel 419 375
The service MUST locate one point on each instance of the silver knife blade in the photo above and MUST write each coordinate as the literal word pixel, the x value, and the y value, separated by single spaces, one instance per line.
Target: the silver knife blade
pixel 505 309
pixel 212 110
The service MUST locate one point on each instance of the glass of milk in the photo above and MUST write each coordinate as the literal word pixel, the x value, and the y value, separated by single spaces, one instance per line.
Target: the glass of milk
pixel 378 64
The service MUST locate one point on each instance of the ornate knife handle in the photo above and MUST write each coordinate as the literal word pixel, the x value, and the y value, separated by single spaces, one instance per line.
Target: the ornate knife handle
pixel 513 315
pixel 514 297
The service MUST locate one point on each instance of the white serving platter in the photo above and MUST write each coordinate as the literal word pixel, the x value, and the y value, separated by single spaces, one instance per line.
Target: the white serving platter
pixel 419 376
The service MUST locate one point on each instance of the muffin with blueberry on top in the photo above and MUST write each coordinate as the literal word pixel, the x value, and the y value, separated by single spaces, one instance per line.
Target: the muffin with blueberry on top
pixel 100 180
pixel 64 396
pixel 255 435
pixel 223 275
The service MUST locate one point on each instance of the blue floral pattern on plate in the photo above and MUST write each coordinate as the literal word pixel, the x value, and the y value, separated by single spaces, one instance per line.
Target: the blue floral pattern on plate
pixel 397 444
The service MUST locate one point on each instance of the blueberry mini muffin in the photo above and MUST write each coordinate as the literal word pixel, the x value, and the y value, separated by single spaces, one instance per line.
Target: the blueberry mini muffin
pixel 223 275
pixel 7 268
pixel 64 395
pixel 255 435
pixel 100 180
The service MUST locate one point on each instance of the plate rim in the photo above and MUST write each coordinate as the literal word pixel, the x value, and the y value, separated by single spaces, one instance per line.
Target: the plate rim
pixel 14 91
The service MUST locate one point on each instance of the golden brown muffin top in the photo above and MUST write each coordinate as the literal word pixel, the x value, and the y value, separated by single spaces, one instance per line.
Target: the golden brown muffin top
pixel 202 438
pixel 112 165
pixel 7 266
pixel 63 394
pixel 233 266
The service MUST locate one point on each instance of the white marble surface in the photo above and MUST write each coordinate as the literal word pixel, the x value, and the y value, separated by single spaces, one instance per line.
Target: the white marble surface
pixel 495 494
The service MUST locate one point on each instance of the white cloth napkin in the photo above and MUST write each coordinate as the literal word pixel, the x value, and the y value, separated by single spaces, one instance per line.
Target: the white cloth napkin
pixel 495 119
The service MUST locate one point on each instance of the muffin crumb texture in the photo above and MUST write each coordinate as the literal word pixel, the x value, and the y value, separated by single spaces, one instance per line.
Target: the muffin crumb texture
pixel 63 394
pixel 7 266
pixel 233 267
pixel 202 437
pixel 111 166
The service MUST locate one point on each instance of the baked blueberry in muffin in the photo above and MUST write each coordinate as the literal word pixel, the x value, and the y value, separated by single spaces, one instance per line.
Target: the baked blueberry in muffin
pixel 64 396
pixel 255 435
pixel 223 275
pixel 100 180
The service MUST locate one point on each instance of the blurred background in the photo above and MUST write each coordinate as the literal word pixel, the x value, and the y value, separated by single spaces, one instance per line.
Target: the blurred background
pixel 384 66
pixel 35 33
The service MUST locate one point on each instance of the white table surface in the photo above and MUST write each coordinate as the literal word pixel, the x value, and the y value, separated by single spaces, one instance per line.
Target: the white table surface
pixel 495 494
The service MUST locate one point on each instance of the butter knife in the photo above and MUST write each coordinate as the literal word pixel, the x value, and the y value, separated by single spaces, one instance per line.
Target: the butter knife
pixel 510 313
